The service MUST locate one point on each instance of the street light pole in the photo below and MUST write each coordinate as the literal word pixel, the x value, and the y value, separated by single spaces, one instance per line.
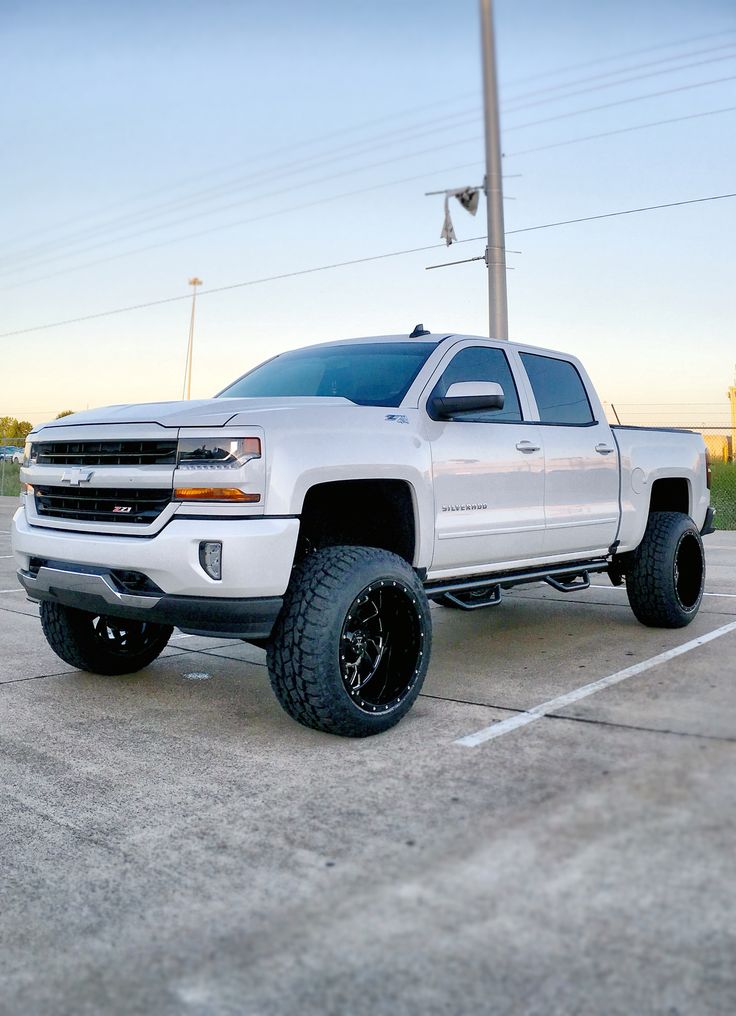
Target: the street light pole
pixel 187 390
pixel 496 248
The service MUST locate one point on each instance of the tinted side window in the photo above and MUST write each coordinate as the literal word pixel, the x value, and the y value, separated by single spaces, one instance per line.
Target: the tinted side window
pixel 482 363
pixel 558 389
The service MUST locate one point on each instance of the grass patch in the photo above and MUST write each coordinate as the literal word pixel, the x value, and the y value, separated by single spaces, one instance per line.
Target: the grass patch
pixel 9 478
pixel 723 494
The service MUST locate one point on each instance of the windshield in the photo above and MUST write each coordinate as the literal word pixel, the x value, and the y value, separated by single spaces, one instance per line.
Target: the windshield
pixel 367 373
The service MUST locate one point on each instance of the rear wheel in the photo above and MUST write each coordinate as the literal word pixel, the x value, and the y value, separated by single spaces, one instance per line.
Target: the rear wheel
pixel 101 645
pixel 351 647
pixel 666 577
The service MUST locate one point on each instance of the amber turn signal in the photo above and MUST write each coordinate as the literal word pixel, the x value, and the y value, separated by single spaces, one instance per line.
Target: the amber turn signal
pixel 215 494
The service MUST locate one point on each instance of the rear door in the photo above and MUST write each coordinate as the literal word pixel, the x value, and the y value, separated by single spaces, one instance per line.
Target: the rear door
pixel 582 469
pixel 488 471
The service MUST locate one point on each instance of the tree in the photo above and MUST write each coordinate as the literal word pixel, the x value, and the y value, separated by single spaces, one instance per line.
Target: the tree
pixel 14 430
pixel 65 412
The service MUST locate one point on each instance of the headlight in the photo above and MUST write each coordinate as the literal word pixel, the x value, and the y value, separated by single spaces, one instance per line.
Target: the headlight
pixel 217 453
pixel 27 454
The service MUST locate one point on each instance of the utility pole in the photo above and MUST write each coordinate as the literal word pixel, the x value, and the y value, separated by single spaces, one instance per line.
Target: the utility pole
pixel 187 389
pixel 496 250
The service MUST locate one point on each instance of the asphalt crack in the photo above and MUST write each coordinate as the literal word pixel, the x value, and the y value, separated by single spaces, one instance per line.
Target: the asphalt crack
pixel 583 719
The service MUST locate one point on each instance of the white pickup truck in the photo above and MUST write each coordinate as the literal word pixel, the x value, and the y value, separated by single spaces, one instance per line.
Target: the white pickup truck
pixel 318 503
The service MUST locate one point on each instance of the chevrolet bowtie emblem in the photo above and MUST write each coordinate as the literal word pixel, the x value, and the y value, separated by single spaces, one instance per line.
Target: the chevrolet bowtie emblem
pixel 76 476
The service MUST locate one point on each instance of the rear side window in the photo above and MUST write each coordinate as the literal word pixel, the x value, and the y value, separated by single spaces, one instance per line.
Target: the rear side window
pixel 558 389
pixel 482 363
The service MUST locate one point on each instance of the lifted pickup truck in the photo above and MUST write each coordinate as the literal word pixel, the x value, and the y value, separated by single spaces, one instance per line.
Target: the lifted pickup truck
pixel 316 505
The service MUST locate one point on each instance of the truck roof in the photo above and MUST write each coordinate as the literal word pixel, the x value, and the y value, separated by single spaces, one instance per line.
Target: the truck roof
pixel 436 338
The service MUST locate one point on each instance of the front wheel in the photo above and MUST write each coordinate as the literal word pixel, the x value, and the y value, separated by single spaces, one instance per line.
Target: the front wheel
pixel 666 577
pixel 351 646
pixel 101 645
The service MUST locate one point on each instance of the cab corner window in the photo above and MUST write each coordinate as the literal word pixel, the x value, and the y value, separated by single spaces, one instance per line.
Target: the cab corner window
pixel 482 363
pixel 558 390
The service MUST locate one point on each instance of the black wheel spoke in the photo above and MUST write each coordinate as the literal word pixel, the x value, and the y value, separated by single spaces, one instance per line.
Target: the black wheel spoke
pixel 123 638
pixel 380 645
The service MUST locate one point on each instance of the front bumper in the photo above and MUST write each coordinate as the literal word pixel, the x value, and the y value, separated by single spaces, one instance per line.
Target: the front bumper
pixel 99 593
pixel 92 571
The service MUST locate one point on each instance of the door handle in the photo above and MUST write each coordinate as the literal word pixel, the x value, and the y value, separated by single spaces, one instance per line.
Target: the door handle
pixel 603 449
pixel 527 446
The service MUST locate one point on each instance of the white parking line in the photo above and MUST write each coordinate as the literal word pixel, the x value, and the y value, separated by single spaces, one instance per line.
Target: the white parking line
pixel 18 590
pixel 622 589
pixel 5 557
pixel 555 704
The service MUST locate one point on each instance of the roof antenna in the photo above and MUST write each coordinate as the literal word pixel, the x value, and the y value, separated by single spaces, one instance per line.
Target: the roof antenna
pixel 418 331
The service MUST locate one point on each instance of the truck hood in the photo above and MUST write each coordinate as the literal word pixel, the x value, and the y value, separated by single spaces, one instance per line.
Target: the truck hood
pixel 195 413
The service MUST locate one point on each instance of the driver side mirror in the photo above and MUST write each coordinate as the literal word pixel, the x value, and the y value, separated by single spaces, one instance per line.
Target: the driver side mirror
pixel 467 397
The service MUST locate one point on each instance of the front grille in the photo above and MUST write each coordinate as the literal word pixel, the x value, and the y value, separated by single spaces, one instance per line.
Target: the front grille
pixel 105 453
pixel 102 504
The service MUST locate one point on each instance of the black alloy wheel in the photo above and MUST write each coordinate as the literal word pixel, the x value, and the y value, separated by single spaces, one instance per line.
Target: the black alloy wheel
pixel 381 646
pixel 99 644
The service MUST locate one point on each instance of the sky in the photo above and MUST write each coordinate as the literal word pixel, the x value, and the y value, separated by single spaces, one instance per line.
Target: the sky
pixel 236 141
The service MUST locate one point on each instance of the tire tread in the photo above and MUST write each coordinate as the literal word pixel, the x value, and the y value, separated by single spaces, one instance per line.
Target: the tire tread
pixel 296 661
pixel 648 585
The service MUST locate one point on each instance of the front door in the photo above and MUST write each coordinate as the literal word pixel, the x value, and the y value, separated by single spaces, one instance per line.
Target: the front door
pixel 488 473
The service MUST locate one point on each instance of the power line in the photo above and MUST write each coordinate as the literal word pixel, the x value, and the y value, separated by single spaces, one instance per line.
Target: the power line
pixel 625 211
pixel 352 261
pixel 619 130
pixel 621 102
pixel 319 201
pixel 257 218
pixel 569 114
pixel 623 81
pixel 339 132
pixel 622 56
pixel 358 147
pixel 624 70
pixel 221 289
pixel 290 147
pixel 271 174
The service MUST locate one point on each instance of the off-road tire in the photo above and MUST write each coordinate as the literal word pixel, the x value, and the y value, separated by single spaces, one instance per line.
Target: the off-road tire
pixel 666 576
pixel 307 654
pixel 100 645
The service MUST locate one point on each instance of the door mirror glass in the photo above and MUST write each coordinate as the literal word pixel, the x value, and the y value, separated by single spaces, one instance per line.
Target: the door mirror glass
pixel 467 397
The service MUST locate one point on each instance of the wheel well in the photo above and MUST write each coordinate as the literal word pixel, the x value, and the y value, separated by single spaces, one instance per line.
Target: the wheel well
pixel 368 513
pixel 670 495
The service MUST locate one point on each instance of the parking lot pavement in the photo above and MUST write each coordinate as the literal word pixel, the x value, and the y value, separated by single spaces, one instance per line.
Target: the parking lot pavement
pixel 173 843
